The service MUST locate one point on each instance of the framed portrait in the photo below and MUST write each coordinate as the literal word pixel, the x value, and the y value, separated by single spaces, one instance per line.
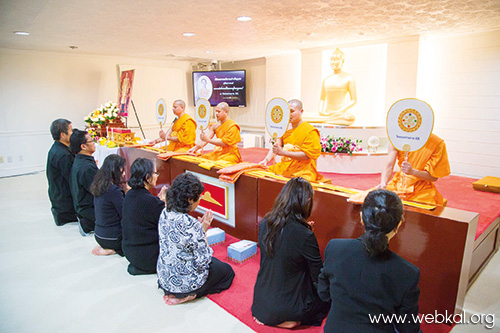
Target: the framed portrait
pixel 125 93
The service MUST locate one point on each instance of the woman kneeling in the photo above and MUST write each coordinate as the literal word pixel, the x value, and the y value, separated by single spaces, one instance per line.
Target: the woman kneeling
pixel 285 293
pixel 364 279
pixel 186 268
pixel 109 187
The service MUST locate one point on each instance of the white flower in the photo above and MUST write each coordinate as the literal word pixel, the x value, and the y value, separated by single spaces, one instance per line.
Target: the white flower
pixel 108 110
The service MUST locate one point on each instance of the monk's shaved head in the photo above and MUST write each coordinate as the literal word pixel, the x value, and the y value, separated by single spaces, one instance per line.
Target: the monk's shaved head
pixel 180 102
pixel 296 102
pixel 224 106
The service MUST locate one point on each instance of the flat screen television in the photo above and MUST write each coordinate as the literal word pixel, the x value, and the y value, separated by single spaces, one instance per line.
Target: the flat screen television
pixel 221 86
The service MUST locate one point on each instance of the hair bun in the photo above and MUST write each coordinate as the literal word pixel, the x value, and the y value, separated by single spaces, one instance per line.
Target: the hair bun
pixel 372 228
pixel 382 218
pixel 381 212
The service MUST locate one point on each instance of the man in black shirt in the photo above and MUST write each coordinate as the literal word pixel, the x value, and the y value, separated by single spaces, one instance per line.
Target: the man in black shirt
pixel 59 163
pixel 82 175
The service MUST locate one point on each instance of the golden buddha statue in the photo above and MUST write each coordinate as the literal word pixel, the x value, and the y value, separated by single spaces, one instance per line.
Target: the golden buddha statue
pixel 333 104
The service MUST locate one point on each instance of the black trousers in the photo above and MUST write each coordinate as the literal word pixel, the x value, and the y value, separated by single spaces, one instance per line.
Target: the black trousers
pixel 61 218
pixel 132 270
pixel 87 225
pixel 220 277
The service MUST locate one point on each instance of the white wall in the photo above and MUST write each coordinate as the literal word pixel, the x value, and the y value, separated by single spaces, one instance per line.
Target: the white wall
pixel 312 76
pixel 38 87
pixel 459 76
pixel 283 76
pixel 252 117
pixel 402 64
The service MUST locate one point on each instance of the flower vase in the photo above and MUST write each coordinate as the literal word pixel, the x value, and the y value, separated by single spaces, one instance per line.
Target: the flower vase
pixel 117 123
pixel 100 130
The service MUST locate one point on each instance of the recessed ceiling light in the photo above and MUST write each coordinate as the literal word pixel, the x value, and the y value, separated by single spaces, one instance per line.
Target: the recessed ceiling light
pixel 209 51
pixel 244 18
pixel 188 34
pixel 22 33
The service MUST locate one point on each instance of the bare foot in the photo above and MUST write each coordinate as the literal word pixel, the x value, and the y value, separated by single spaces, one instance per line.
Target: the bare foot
pixel 257 321
pixel 166 297
pixel 285 324
pixel 99 251
pixel 172 300
pixel 289 324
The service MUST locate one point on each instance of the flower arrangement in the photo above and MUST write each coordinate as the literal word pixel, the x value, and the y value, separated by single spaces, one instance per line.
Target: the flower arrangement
pixel 339 145
pixel 106 112
pixel 93 134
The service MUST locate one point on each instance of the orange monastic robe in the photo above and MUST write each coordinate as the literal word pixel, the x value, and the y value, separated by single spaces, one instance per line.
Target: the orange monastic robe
pixel 185 127
pixel 305 137
pixel 229 133
pixel 433 158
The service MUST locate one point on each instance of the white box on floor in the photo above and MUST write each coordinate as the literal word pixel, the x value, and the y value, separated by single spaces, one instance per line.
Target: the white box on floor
pixel 215 236
pixel 242 250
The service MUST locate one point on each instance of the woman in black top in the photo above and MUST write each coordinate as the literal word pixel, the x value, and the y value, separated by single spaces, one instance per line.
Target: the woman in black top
pixel 285 293
pixel 109 188
pixel 141 212
pixel 364 279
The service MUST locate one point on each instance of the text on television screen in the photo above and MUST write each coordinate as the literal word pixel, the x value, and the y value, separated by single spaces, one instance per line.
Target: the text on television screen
pixel 220 86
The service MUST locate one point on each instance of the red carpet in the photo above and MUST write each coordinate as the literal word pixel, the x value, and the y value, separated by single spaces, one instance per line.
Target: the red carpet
pixel 237 300
pixel 458 190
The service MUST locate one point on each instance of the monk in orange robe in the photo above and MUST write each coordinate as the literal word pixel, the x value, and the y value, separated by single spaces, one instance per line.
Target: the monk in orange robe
pixel 422 169
pixel 182 134
pixel 299 148
pixel 227 134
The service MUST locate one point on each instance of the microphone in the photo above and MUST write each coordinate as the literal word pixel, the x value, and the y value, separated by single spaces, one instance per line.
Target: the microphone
pixel 166 133
pixel 173 122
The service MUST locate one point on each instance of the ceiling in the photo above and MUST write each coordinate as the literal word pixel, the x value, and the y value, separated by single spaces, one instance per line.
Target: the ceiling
pixel 153 28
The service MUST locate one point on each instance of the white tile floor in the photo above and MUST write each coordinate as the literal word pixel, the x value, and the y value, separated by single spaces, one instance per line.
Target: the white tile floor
pixel 49 281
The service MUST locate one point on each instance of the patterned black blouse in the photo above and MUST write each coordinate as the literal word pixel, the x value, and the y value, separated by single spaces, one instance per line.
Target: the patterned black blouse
pixel 184 259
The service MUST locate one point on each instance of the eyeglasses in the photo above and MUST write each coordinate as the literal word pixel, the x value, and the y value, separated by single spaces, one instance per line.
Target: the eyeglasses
pixel 157 173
